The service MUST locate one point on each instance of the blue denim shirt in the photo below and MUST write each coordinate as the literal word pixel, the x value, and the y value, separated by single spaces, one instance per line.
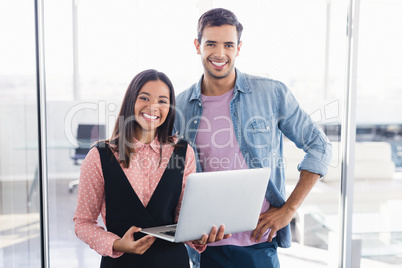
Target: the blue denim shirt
pixel 262 111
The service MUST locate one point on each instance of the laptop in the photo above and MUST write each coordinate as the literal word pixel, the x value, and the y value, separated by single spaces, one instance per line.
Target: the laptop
pixel 233 198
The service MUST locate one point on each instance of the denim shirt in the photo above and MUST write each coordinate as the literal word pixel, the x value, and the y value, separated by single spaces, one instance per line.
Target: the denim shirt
pixel 262 111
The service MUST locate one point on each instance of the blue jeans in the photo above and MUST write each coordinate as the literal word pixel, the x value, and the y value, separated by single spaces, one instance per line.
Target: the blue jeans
pixel 256 256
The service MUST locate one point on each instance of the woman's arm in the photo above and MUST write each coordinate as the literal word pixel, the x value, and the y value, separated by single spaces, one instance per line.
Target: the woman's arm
pixel 90 203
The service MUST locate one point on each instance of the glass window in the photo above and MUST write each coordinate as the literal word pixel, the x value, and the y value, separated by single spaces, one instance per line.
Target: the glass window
pixel 20 244
pixel 92 53
pixel 378 180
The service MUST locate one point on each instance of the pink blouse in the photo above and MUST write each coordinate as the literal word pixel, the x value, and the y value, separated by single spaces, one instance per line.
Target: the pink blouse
pixel 143 174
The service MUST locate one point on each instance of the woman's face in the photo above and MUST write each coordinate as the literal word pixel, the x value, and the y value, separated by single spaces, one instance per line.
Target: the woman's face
pixel 151 108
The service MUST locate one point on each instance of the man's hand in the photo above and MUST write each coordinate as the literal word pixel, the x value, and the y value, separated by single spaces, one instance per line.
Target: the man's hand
pixel 274 219
pixel 214 236
pixel 277 218
pixel 127 244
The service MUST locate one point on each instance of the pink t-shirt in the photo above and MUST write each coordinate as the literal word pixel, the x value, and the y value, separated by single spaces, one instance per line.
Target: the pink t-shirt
pixel 218 149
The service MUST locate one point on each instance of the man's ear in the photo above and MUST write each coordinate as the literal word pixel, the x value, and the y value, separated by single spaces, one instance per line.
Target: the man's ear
pixel 197 46
pixel 238 48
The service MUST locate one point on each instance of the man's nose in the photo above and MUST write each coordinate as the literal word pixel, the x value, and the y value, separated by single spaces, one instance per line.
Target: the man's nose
pixel 220 51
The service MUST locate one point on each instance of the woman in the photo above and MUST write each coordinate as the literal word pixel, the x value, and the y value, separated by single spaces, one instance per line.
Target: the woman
pixel 135 181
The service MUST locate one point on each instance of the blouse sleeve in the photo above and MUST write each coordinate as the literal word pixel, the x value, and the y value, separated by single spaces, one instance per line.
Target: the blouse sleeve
pixel 90 203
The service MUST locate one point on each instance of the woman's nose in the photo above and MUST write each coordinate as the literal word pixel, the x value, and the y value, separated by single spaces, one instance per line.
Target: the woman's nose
pixel 154 106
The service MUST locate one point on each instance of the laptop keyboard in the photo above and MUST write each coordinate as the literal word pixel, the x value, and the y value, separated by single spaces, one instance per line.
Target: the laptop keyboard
pixel 170 233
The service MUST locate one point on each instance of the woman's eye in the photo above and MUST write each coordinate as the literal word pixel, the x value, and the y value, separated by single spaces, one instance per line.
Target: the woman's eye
pixel 143 98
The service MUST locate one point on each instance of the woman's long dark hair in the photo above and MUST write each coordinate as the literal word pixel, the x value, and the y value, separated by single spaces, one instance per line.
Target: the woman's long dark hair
pixel 124 129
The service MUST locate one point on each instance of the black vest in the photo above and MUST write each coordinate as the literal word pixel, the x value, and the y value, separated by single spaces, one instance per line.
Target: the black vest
pixel 124 209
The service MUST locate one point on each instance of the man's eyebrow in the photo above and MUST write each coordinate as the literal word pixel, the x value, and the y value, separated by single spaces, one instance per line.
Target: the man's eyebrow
pixel 214 42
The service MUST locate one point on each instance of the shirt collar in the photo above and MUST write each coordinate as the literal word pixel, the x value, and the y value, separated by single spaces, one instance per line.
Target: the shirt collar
pixel 240 85
pixel 154 144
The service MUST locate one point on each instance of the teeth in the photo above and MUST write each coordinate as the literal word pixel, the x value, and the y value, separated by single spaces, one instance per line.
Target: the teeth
pixel 149 116
pixel 219 63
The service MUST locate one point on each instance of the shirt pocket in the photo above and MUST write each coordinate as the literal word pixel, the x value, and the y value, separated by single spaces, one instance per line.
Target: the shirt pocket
pixel 259 131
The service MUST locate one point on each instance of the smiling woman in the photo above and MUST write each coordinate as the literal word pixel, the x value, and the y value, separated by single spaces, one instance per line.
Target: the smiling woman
pixel 151 109
pixel 136 196
pixel 146 113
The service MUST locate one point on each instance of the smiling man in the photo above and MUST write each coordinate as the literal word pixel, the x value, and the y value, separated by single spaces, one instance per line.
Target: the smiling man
pixel 236 121
pixel 218 49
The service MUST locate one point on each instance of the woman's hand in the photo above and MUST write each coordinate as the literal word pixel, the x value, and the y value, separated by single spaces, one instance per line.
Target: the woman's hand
pixel 127 244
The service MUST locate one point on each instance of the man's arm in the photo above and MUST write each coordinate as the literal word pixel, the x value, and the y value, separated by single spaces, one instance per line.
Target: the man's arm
pixel 277 218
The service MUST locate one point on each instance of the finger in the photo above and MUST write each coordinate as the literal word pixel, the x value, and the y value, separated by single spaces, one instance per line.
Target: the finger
pixel 270 236
pixel 253 235
pixel 129 235
pixel 133 229
pixel 221 233
pixel 203 240
pixel 272 232
pixel 255 232
pixel 260 226
pixel 258 231
pixel 262 231
pixel 259 236
pixel 212 235
pixel 144 244
pixel 144 240
pixel 226 236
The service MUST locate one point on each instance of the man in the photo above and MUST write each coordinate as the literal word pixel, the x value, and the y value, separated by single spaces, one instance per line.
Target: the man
pixel 235 121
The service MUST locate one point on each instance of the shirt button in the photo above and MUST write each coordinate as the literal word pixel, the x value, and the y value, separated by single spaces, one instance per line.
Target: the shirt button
pixel 195 121
pixel 199 104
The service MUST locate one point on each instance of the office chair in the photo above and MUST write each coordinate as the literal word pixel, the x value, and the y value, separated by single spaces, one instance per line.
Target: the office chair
pixel 87 135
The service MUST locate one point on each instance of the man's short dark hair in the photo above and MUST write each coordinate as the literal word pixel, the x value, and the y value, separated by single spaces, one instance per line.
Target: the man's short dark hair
pixel 218 17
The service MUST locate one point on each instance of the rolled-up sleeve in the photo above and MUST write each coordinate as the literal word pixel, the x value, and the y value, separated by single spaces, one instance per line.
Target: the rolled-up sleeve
pixel 299 127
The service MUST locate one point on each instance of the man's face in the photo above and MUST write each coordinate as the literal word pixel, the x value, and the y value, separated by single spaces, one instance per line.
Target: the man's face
pixel 218 50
